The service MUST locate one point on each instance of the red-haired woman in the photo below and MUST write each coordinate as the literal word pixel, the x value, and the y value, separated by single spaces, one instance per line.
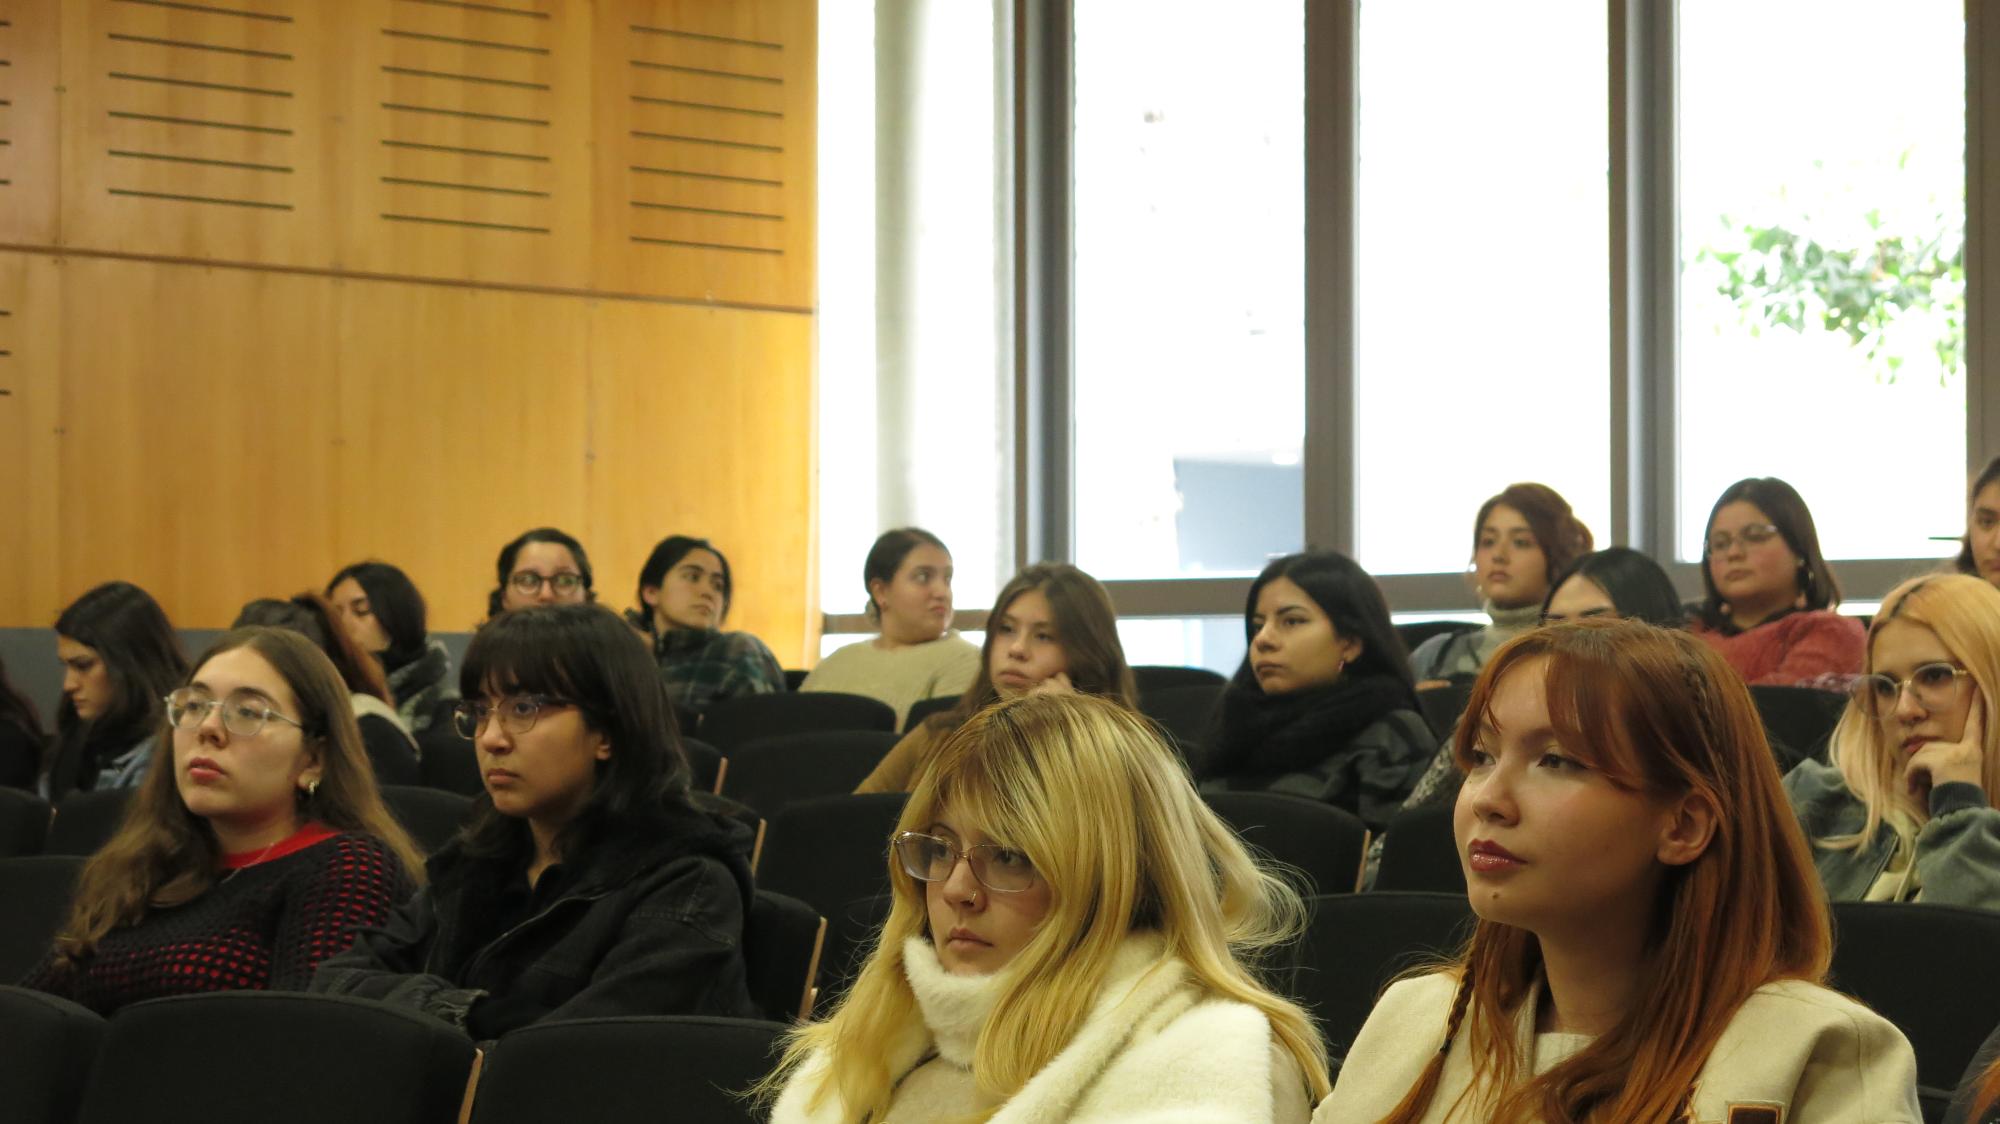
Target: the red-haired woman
pixel 1521 540
pixel 1652 937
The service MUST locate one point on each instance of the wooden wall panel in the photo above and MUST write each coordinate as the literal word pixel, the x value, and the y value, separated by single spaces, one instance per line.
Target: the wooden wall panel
pixel 684 443
pixel 462 424
pixel 30 38
pixel 197 450
pixel 30 310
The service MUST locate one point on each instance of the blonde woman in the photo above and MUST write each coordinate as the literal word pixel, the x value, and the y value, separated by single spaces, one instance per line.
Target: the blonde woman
pixel 1905 811
pixel 1067 942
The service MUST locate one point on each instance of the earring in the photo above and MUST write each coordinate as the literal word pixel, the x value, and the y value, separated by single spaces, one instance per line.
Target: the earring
pixel 312 788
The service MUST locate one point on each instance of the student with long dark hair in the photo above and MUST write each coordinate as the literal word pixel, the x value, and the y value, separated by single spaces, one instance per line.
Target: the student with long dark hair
pixel 684 594
pixel 588 884
pixel 1521 538
pixel 1323 706
pixel 1652 941
pixel 1770 593
pixel 391 749
pixel 1052 630
pixel 1616 582
pixel 916 655
pixel 252 850
pixel 382 611
pixel 120 658
pixel 544 566
pixel 22 741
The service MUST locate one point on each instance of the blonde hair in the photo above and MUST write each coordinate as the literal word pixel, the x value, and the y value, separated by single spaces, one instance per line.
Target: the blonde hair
pixel 1105 810
pixel 1964 613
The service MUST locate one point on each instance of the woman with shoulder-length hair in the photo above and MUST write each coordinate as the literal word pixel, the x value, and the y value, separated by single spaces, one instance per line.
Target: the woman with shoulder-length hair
pixel 1052 629
pixel 1905 810
pixel 1770 594
pixel 1521 539
pixel 1979 550
pixel 685 589
pixel 381 610
pixel 588 883
pixel 544 566
pixel 120 657
pixel 1323 706
pixel 915 653
pixel 1652 941
pixel 391 748
pixel 256 848
pixel 1616 582
pixel 1072 937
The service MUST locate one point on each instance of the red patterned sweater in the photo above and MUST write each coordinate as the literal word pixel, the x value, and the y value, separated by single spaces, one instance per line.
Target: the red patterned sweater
pixel 1819 648
pixel 266 924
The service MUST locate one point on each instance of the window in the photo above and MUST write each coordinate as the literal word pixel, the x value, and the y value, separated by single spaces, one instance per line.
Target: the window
pixel 1189 221
pixel 1216 643
pixel 1823 287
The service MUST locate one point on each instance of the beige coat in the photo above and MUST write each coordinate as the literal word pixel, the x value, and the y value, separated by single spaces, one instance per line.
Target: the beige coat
pixel 1816 1055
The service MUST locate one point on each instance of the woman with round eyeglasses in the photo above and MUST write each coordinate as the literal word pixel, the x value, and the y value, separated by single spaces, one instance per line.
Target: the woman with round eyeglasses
pixel 544 566
pixel 1071 938
pixel 1905 810
pixel 588 884
pixel 259 847
pixel 1771 596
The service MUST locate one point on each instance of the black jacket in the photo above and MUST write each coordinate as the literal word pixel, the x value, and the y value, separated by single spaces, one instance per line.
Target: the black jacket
pixel 652 927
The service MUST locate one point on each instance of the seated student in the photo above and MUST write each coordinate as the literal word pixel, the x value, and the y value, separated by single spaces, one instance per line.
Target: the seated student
pixel 540 567
pixel 1052 629
pixel 1651 941
pixel 21 739
pixel 916 655
pixel 391 749
pixel 259 847
pixel 1770 602
pixel 684 592
pixel 1906 810
pixel 1979 554
pixel 1072 938
pixel 588 885
pixel 1521 538
pixel 1323 706
pixel 120 657
pixel 381 610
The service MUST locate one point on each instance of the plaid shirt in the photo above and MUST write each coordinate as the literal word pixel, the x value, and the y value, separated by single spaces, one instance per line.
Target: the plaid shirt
pixel 701 666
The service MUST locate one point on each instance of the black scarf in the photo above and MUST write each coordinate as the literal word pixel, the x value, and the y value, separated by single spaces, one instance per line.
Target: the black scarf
pixel 1268 735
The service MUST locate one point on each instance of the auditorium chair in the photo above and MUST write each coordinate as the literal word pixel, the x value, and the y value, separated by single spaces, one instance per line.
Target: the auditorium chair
pixel 24 823
pixel 432 816
pixel 282 1056
pixel 35 893
pixel 782 942
pixel 47 1046
pixel 1356 943
pixel 688 1069
pixel 732 722
pixel 771 774
pixel 1323 842
pixel 85 821
pixel 1420 852
pixel 1159 677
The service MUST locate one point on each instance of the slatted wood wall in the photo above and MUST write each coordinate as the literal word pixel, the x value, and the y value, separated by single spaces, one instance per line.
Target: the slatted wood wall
pixel 288 283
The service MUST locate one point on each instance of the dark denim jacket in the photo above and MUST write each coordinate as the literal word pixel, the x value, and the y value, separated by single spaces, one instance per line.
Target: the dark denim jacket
pixel 652 929
pixel 1958 849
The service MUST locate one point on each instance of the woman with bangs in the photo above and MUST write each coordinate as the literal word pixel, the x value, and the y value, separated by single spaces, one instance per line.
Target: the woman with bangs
pixel 1651 942
pixel 255 846
pixel 588 883
pixel 1071 939
pixel 1052 631
pixel 1905 809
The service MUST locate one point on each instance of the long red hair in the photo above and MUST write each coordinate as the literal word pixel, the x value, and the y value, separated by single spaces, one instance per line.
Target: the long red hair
pixel 1655 711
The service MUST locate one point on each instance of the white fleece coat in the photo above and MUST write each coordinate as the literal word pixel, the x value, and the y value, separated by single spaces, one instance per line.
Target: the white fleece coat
pixel 1813 1054
pixel 1153 1050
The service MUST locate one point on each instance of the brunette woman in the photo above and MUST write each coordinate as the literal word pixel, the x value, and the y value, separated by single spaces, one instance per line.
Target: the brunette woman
pixel 588 884
pixel 916 655
pixel 544 566
pixel 120 657
pixel 1652 942
pixel 1052 630
pixel 382 612
pixel 684 594
pixel 1979 553
pixel 1323 706
pixel 1074 936
pixel 21 739
pixel 258 848
pixel 391 749
pixel 1521 539
pixel 1771 596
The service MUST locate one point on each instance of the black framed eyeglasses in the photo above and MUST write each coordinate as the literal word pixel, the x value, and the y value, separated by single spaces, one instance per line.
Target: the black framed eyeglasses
pixel 244 713
pixel 518 713
pixel 529 583
pixel 1935 686
pixel 928 858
